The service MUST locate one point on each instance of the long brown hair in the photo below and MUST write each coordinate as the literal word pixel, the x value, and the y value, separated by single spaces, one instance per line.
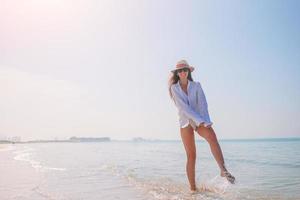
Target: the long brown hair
pixel 174 78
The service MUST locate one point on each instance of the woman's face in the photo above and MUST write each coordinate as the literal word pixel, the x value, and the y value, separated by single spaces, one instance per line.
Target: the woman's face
pixel 183 73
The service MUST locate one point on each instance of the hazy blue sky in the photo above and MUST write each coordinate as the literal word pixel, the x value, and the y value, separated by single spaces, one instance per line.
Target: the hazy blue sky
pixel 100 68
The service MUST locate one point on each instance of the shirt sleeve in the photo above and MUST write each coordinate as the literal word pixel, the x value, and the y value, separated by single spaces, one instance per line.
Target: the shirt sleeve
pixel 185 108
pixel 201 95
pixel 203 103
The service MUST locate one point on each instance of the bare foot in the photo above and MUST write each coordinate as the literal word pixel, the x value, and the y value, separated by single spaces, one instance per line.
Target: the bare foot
pixel 194 190
pixel 228 176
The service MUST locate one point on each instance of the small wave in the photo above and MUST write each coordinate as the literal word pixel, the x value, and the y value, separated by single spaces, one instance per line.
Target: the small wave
pixel 47 195
pixel 166 188
pixel 218 185
pixel 55 168
pixel 26 156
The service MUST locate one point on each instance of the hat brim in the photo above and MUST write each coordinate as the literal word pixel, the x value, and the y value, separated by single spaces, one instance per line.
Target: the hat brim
pixel 190 67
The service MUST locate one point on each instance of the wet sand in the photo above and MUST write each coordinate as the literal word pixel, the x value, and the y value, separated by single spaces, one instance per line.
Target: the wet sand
pixel 18 179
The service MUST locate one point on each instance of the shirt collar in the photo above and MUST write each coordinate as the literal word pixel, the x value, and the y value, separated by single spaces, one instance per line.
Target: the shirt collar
pixel 188 86
pixel 189 82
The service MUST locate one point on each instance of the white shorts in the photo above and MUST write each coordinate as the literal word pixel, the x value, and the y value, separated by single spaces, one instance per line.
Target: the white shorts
pixel 194 126
pixel 192 123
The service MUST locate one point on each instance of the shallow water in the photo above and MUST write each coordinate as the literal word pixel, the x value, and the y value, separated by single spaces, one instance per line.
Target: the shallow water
pixel 264 169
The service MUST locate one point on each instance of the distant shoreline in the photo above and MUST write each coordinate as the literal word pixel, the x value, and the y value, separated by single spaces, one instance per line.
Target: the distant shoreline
pixel 71 140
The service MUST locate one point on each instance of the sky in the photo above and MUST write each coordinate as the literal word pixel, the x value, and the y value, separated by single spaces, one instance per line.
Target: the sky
pixel 100 68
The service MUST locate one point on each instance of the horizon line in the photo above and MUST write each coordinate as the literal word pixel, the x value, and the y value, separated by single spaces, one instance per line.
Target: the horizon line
pixel 140 139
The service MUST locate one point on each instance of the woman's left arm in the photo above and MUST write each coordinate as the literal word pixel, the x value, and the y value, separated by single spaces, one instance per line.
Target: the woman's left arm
pixel 202 102
pixel 201 95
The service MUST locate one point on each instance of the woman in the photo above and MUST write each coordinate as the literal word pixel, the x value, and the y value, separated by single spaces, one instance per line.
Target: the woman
pixel 193 113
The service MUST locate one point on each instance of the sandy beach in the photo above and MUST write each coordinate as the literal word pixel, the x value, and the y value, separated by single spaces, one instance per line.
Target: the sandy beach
pixel 6 147
pixel 18 179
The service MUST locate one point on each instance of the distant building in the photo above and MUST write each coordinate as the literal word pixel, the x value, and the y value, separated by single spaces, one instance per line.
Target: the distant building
pixel 89 139
pixel 139 139
pixel 15 139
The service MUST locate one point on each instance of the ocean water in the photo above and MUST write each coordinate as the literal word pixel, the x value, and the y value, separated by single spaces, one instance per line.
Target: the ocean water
pixel 264 169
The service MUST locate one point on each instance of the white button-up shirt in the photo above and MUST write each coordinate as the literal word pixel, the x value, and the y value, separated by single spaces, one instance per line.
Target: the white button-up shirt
pixel 191 106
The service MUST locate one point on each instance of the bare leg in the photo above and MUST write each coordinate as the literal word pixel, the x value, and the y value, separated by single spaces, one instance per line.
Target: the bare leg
pixel 209 135
pixel 187 136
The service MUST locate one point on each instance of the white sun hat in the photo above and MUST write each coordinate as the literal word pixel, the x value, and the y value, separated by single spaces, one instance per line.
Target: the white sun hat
pixel 183 64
